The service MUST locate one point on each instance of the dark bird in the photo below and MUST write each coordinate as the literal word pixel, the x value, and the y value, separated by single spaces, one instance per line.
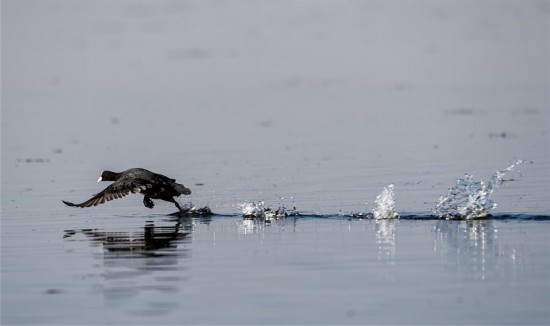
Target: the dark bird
pixel 150 185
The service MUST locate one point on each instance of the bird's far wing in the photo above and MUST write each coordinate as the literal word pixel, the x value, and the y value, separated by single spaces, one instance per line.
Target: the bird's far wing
pixel 178 187
pixel 163 177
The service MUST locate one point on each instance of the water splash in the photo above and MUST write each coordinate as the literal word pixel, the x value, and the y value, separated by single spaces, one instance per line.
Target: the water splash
pixel 190 209
pixel 470 199
pixel 260 210
pixel 251 209
pixel 385 204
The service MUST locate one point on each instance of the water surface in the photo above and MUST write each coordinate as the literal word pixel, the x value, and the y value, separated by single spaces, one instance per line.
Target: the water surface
pixel 316 106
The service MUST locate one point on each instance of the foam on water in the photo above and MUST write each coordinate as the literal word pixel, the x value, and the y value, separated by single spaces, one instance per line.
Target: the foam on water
pixel 470 199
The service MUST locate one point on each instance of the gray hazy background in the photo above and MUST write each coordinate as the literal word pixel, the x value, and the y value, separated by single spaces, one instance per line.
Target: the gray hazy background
pixel 325 99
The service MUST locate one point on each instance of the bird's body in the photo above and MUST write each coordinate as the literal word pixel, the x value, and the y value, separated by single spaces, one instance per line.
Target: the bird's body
pixel 151 185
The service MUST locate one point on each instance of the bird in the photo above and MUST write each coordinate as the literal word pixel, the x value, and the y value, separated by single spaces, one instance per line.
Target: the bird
pixel 136 180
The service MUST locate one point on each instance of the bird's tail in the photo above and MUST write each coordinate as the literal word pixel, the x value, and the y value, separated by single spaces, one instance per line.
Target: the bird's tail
pixel 181 189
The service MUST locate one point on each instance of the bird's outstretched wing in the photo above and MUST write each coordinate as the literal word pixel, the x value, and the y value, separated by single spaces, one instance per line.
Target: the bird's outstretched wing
pixel 116 190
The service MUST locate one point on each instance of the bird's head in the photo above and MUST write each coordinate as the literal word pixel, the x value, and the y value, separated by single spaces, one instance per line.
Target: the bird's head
pixel 108 176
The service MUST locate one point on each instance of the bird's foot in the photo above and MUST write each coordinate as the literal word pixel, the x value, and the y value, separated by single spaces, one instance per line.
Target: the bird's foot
pixel 148 202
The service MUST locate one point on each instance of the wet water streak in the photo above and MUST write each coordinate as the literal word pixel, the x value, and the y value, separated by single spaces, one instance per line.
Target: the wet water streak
pixel 468 199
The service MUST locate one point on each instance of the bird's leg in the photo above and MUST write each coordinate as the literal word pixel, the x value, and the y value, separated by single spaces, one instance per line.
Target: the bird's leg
pixel 172 200
pixel 148 202
pixel 178 206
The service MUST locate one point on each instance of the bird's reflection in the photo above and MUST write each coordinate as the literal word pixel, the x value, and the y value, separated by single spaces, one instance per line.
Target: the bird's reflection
pixel 470 247
pixel 145 260
pixel 149 242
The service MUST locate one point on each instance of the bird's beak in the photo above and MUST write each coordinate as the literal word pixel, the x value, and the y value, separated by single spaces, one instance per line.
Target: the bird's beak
pixel 98 180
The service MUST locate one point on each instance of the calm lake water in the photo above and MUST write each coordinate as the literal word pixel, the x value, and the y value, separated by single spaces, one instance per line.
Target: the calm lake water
pixel 315 106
